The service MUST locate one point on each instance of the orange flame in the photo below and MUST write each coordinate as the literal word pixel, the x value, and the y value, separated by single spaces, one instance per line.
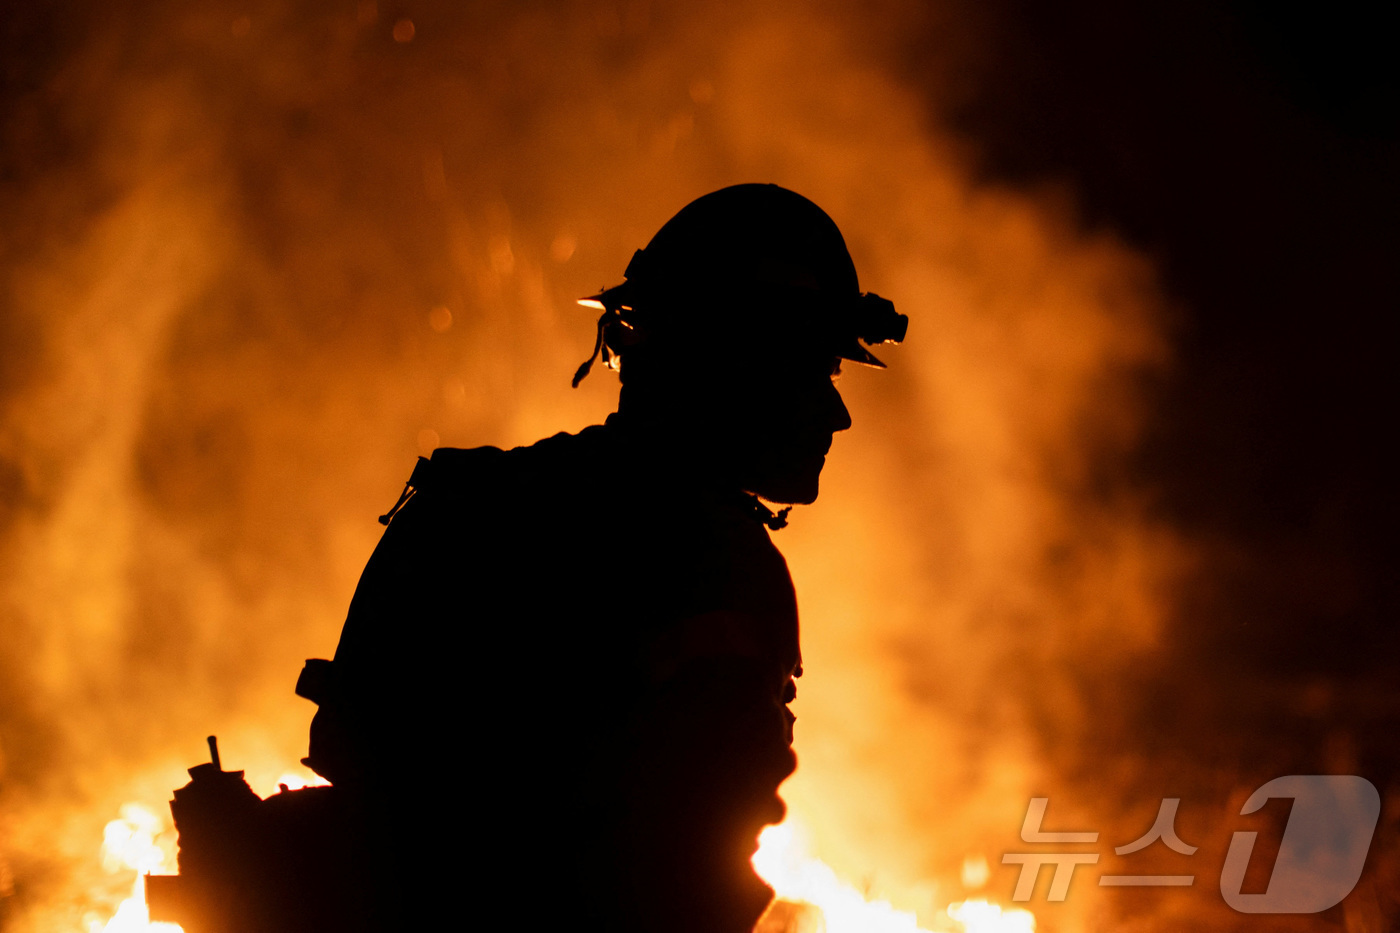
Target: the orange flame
pixel 784 862
pixel 144 842
pixel 230 375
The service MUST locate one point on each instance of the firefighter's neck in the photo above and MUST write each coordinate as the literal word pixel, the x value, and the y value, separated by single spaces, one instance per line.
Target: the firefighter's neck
pixel 693 447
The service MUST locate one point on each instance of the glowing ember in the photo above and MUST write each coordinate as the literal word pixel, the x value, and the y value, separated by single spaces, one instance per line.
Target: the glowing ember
pixel 783 862
pixel 144 842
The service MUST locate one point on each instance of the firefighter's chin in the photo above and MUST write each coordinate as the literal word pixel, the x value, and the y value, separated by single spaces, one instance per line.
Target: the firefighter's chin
pixel 792 486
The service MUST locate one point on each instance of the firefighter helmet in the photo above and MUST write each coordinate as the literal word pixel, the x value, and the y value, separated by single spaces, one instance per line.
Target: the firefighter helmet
pixel 739 265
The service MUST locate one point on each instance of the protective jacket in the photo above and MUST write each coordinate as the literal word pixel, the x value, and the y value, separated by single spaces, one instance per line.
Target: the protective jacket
pixel 567 666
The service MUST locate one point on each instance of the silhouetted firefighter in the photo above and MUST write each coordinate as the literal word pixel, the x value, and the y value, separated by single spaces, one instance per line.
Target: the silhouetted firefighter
pixel 560 696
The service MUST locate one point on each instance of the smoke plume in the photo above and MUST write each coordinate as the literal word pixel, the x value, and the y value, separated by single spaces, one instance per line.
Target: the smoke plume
pixel 261 255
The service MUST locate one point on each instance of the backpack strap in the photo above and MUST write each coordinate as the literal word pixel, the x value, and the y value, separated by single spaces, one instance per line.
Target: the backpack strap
pixel 416 481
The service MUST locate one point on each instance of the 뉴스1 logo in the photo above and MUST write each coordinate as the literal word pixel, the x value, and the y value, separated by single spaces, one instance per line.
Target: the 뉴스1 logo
pixel 1319 861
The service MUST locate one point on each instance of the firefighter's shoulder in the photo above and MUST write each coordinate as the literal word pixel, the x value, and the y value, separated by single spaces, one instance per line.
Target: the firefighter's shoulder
pixel 454 474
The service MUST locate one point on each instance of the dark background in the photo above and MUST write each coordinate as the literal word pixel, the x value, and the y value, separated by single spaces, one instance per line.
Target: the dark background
pixel 1251 149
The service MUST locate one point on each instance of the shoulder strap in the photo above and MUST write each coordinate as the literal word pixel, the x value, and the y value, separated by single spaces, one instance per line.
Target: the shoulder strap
pixel 416 480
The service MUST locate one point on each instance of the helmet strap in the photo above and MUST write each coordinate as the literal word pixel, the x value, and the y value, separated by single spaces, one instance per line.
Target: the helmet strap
pixel 599 347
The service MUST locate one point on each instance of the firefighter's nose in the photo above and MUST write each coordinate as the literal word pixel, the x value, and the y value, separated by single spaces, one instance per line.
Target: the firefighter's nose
pixel 840 414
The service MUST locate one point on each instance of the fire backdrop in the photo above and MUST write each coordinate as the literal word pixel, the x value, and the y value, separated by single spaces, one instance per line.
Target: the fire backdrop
pixel 1116 526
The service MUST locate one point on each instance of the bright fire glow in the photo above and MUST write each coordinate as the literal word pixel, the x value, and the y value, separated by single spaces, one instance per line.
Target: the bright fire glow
pixel 141 841
pixel 979 916
pixel 296 780
pixel 165 567
pixel 783 862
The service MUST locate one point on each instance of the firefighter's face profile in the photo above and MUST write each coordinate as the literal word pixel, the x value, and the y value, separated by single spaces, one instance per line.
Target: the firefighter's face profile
pixel 784 423
pixel 758 400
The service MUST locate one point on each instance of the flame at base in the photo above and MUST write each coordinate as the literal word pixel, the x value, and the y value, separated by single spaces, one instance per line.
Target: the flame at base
pixel 781 860
pixel 133 917
pixel 143 842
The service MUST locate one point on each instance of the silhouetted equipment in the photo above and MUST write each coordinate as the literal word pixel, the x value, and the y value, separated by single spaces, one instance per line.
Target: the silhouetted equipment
pixel 760 248
pixel 318 681
pixel 287 864
pixel 214 815
pixel 607 639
